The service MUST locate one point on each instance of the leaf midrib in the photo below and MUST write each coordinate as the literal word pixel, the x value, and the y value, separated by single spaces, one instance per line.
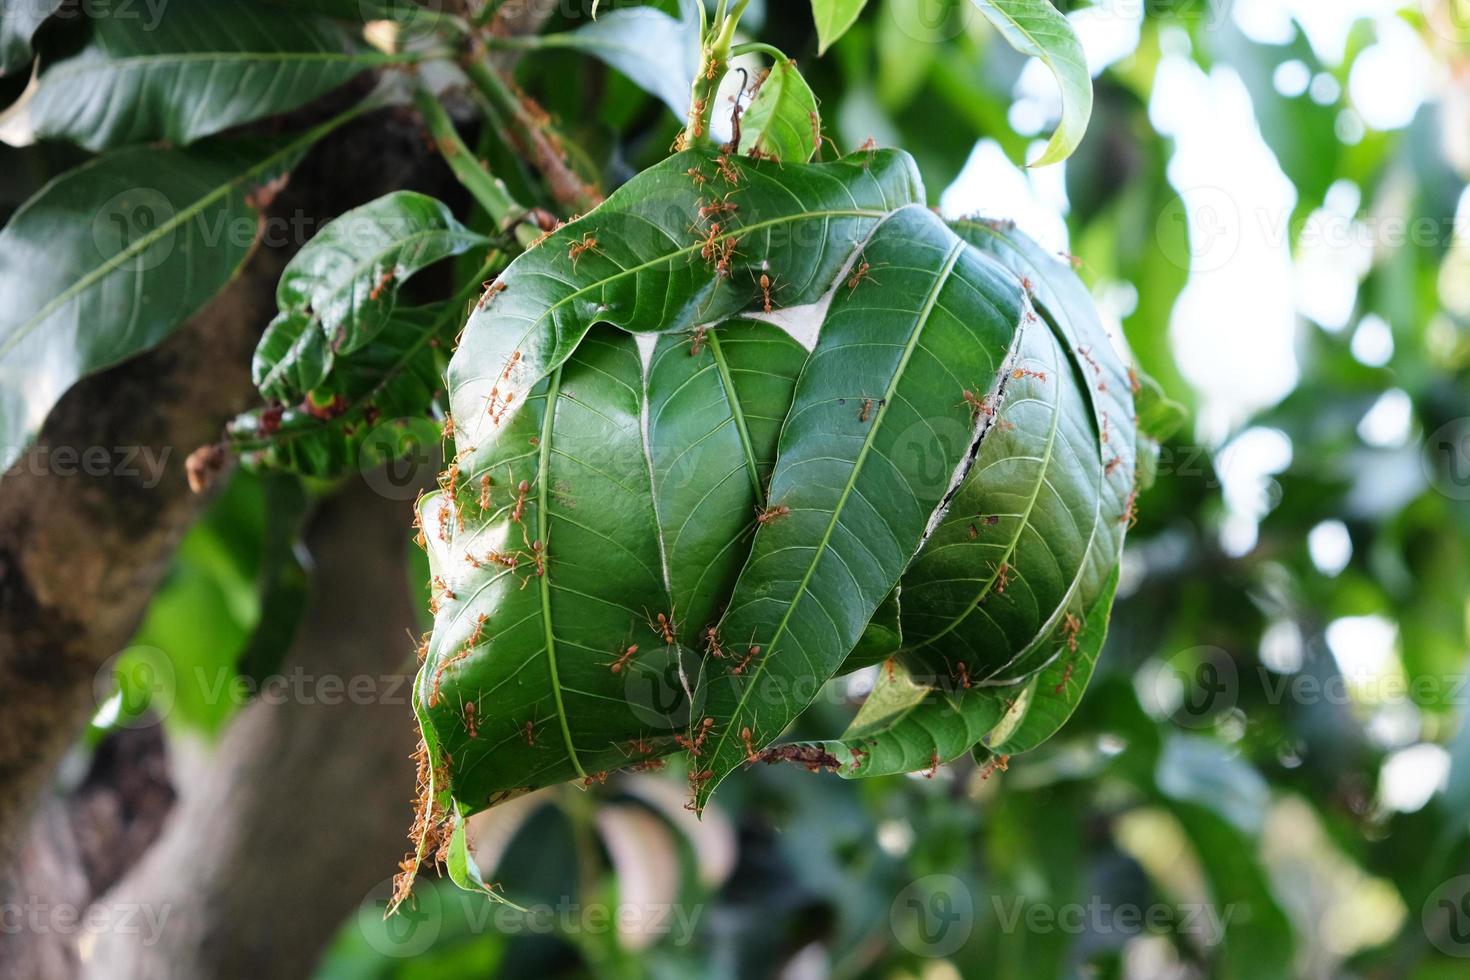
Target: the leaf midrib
pixel 737 412
pixel 181 217
pixel 542 480
pixel 940 280
pixel 1046 460
pixel 351 282
pixel 690 250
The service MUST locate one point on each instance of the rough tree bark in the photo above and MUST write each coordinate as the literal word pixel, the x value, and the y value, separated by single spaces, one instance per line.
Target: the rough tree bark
pixel 81 554
pixel 302 807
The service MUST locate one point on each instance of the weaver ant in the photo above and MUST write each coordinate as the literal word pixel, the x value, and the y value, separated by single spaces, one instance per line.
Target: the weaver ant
pixel 619 664
pixel 769 514
pixel 750 655
pixel 578 249
pixel 664 627
pixel 867 410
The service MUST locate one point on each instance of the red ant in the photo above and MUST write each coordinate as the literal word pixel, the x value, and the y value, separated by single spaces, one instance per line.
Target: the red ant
pixel 519 511
pixel 492 288
pixel 770 514
pixel 485 484
pixel 978 405
pixel 710 244
pixel 974 533
pixel 867 410
pixel 597 777
pixel 723 206
pixel 538 555
pixel 751 755
pixel 693 745
pixel 750 655
pixel 962 675
pixel 1066 676
pixel 712 643
pixel 697 344
pixel 728 172
pixel 861 274
pixel 478 632
pixel 664 627
pixel 697 176
pixel 1113 464
pixel 1019 373
pixel 766 283
pixel 933 769
pixel 1002 578
pixel 619 664
pixel 469 720
pixel 528 732
pixel 578 249
pixel 382 285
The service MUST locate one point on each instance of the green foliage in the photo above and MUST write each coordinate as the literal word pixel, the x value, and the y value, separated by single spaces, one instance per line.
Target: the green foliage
pixel 759 460
pixel 198 70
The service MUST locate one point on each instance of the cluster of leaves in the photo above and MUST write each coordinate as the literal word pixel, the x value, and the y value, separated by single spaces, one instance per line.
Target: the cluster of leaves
pixel 942 460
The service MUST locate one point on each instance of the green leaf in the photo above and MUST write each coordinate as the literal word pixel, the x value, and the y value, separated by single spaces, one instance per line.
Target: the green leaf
pixel 646 261
pixel 559 554
pixel 372 407
pixel 1159 416
pixel 781 120
pixel 342 288
pixel 108 259
pixel 658 52
pixel 1060 685
pixel 887 375
pixel 1043 510
pixel 833 18
pixel 716 402
pixel 192 70
pixel 880 640
pixel 1038 29
pixel 909 726
pixel 995 577
pixel 19 22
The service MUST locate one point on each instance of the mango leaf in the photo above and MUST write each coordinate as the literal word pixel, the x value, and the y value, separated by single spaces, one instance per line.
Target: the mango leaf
pixel 19 22
pixel 1060 685
pixel 908 726
pixel 341 289
pixel 372 407
pixel 108 259
pixel 833 18
pixel 716 402
pixel 995 577
pixel 781 120
pixel 648 260
pixel 1065 304
pixel 881 639
pixel 851 499
pixel 1038 29
pixel 192 70
pixel 553 477
pixel 1019 575
pixel 658 52
pixel 546 589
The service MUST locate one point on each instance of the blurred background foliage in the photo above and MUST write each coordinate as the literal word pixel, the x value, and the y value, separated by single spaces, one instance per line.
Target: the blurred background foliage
pixel 1266 205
